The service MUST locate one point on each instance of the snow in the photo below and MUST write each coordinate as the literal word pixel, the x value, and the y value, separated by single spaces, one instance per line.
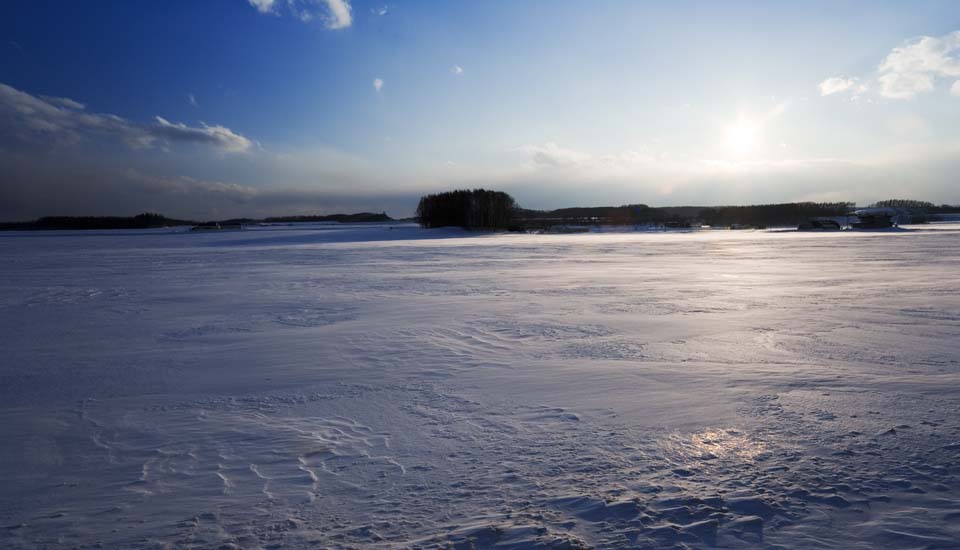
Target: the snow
pixel 377 385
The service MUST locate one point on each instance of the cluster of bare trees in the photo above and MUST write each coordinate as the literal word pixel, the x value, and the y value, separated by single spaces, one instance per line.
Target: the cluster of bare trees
pixel 471 209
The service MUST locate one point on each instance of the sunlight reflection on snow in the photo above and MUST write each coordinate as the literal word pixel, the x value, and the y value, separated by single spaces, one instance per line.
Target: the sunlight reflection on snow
pixel 719 444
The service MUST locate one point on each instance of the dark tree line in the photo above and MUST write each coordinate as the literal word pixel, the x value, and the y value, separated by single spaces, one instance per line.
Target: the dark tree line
pixel 614 215
pixel 342 218
pixel 773 214
pixel 904 203
pixel 918 207
pixel 150 220
pixel 140 221
pixel 720 216
pixel 919 211
pixel 471 209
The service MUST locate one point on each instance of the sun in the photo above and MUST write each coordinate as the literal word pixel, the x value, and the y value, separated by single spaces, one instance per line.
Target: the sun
pixel 742 137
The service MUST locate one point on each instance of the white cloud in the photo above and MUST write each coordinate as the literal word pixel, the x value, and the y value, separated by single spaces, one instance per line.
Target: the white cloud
pixel 192 99
pixel 377 84
pixel 955 89
pixel 456 69
pixel 335 14
pixel 841 84
pixel 915 67
pixel 53 120
pixel 263 6
pixel 339 16
pixel 64 102
pixel 835 84
pixel 222 137
pixel 381 11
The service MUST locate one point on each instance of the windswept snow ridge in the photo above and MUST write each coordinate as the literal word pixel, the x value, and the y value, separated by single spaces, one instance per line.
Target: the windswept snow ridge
pixel 386 386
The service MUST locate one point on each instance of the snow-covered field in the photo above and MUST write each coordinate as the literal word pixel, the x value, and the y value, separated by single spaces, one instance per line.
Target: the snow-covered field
pixel 400 387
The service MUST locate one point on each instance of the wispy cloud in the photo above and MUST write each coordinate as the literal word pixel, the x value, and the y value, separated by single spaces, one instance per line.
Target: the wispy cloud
pixel 915 67
pixel 335 14
pixel 380 11
pixel 64 102
pixel 51 120
pixel 457 70
pixel 263 6
pixel 25 117
pixel 552 155
pixel 221 137
pixel 192 100
pixel 836 84
pixel 955 89
pixel 377 84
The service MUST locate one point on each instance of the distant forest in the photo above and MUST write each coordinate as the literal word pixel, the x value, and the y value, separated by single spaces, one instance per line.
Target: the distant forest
pixel 758 215
pixel 761 215
pixel 149 220
pixel 362 217
pixel 140 221
pixel 484 209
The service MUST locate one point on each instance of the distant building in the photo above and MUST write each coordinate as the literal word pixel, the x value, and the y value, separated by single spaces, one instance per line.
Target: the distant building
pixel 875 218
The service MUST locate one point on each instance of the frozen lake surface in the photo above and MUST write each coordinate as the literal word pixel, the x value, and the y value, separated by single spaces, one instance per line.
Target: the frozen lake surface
pixel 351 387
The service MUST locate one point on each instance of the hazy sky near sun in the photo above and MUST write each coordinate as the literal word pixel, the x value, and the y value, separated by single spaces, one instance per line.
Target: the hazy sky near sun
pixel 256 107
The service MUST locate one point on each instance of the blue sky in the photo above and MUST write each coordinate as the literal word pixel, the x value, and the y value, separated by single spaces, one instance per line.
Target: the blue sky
pixel 259 107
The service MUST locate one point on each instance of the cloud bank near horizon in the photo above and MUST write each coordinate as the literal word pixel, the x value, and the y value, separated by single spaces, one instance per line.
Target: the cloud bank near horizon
pixel 60 158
